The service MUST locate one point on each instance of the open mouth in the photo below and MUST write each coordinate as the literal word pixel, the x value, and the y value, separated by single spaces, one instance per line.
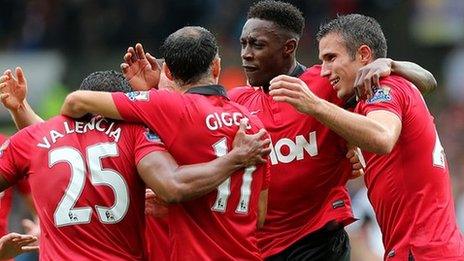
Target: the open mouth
pixel 334 81
pixel 250 68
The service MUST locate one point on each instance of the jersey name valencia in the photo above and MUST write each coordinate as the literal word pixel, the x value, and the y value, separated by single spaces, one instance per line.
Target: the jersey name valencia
pixel 98 124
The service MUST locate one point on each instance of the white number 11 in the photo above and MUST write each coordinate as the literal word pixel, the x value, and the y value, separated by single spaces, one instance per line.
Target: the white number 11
pixel 220 205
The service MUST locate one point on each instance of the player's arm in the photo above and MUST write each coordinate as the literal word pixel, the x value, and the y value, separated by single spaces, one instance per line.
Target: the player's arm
pixel 369 76
pixel 13 96
pixel 419 76
pixel 174 183
pixel 14 244
pixel 79 103
pixel 377 132
pixel 262 208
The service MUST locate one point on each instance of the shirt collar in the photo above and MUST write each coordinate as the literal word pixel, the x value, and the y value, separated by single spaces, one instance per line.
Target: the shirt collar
pixel 351 102
pixel 209 90
pixel 298 71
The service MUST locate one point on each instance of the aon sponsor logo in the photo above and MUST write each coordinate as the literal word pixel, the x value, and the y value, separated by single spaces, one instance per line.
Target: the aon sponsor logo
pixel 286 150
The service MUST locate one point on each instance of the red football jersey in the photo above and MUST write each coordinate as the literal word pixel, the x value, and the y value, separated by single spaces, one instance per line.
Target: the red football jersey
pixel 6 200
pixel 308 167
pixel 83 179
pixel 157 238
pixel 199 128
pixel 410 188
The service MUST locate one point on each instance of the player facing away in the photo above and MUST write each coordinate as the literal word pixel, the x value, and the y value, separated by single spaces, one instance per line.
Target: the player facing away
pixel 407 174
pixel 83 176
pixel 195 126
pixel 308 202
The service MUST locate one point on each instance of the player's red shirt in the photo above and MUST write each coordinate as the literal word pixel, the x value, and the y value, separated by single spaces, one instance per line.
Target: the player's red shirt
pixel 409 188
pixel 309 169
pixel 6 197
pixel 6 200
pixel 83 179
pixel 157 238
pixel 199 128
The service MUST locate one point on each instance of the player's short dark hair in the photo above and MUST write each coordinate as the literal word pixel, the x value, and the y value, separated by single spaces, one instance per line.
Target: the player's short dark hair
pixel 357 30
pixel 106 81
pixel 285 15
pixel 189 52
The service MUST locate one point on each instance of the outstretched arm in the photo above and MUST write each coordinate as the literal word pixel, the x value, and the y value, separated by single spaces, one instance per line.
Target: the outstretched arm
pixel 377 132
pixel 13 96
pixel 369 76
pixel 173 183
pixel 79 103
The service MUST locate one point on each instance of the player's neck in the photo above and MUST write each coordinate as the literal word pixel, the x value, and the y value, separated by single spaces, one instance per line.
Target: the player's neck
pixel 289 70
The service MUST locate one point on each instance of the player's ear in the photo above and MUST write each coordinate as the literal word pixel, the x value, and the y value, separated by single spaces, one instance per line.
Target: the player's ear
pixel 290 46
pixel 216 67
pixel 365 54
pixel 167 72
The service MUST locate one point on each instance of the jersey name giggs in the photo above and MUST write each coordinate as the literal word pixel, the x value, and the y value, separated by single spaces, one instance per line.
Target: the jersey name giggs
pixel 215 120
pixel 99 124
pixel 296 148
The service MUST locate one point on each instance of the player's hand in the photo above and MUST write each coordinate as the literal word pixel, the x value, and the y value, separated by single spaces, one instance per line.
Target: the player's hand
pixel 13 244
pixel 13 89
pixel 140 69
pixel 358 164
pixel 251 149
pixel 31 227
pixel 368 77
pixel 154 205
pixel 294 91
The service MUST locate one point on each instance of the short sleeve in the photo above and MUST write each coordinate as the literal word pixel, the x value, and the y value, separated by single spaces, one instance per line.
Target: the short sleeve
pixel 13 158
pixel 387 98
pixel 133 106
pixel 161 111
pixel 146 141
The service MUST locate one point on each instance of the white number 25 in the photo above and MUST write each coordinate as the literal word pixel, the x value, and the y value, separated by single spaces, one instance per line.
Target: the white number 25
pixel 66 214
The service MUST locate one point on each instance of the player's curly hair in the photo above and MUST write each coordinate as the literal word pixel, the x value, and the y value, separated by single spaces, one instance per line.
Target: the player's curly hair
pixel 285 15
pixel 106 81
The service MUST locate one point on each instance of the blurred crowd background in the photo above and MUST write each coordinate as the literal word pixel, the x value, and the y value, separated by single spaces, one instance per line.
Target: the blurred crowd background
pixel 58 43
